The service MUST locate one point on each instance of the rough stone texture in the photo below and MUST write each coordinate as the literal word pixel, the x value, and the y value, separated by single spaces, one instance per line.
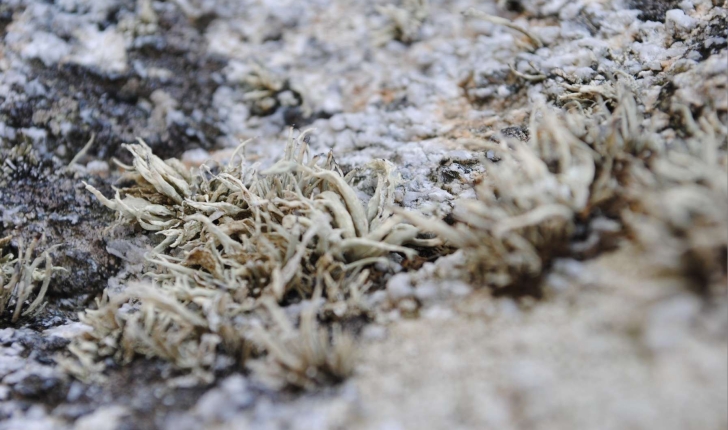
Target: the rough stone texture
pixel 178 74
pixel 654 10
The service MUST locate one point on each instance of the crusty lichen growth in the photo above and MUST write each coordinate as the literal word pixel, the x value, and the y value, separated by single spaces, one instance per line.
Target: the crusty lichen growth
pixel 606 174
pixel 234 239
pixel 21 277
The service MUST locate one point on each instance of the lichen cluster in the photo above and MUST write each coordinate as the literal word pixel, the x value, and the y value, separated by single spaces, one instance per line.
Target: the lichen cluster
pixel 236 239
pixel 405 21
pixel 239 243
pixel 21 276
pixel 586 178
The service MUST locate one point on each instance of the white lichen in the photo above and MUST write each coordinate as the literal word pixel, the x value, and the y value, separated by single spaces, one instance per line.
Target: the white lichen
pixel 583 169
pixel 237 238
pixel 21 276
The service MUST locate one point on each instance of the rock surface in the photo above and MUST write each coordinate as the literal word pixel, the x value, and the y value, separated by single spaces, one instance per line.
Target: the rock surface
pixel 195 77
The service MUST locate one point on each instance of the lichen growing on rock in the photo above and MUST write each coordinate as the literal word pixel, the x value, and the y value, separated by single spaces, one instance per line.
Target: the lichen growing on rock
pixel 238 237
pixel 405 21
pixel 21 276
pixel 594 173
pixel 633 282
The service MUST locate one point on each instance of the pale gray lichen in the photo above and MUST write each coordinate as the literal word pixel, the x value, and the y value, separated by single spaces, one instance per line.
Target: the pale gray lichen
pixel 533 39
pixel 405 21
pixel 587 166
pixel 303 357
pixel 21 275
pixel 233 239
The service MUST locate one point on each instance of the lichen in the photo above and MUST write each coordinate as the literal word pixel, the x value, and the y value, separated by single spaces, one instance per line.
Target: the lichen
pixel 585 175
pixel 405 21
pixel 20 276
pixel 233 240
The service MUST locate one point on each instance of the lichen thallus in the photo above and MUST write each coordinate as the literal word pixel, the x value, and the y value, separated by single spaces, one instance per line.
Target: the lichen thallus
pixel 237 243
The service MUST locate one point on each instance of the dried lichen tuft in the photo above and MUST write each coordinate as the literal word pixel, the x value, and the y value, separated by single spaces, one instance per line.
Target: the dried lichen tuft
pixel 588 175
pixel 266 90
pixel 236 239
pixel 405 21
pixel 303 357
pixel 19 278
